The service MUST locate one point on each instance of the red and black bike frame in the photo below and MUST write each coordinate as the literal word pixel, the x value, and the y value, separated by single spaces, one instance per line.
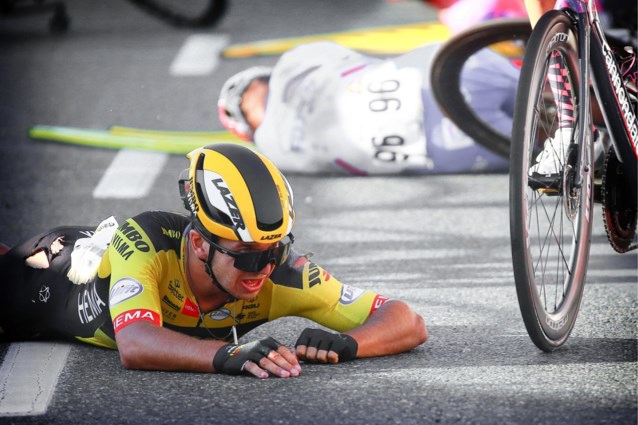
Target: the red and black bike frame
pixel 615 104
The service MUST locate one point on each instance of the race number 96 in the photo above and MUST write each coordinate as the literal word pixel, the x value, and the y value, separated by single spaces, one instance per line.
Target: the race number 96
pixel 387 109
pixel 384 103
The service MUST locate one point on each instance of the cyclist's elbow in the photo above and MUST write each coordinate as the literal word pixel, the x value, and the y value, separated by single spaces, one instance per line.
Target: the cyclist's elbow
pixel 129 358
pixel 413 324
pixel 130 348
pixel 421 330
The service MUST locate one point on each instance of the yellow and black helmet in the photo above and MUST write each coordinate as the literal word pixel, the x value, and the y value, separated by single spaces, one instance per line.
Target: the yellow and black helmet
pixel 236 193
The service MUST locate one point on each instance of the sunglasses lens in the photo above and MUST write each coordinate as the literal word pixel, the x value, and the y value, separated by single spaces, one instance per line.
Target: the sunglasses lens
pixel 252 261
pixel 256 261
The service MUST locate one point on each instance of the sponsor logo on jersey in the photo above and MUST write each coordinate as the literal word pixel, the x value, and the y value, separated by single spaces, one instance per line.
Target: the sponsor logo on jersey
pixel 134 237
pixel 379 300
pixel 221 314
pixel 124 289
pixel 190 308
pixel 171 233
pixel 170 303
pixel 44 294
pixel 173 287
pixel 350 294
pixel 89 304
pixel 122 247
pixel 251 306
pixel 314 275
pixel 124 319
pixel 168 314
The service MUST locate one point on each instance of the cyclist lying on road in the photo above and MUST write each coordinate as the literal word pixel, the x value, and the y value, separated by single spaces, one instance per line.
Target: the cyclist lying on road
pixel 171 292
pixel 325 108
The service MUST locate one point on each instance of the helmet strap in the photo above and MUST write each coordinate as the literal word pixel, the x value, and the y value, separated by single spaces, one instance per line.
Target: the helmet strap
pixel 209 261
pixel 213 278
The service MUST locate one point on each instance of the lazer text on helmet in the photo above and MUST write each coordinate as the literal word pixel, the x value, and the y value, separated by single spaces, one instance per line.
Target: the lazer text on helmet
pixel 230 203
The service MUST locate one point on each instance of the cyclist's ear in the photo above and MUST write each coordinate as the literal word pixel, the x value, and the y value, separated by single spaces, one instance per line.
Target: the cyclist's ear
pixel 198 244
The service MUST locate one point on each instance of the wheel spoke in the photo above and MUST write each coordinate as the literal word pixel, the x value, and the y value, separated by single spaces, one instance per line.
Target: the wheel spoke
pixel 550 243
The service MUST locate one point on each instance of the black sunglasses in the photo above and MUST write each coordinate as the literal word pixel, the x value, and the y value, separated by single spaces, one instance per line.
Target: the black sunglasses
pixel 254 261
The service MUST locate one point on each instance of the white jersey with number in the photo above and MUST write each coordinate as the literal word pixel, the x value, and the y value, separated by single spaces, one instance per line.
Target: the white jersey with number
pixel 332 109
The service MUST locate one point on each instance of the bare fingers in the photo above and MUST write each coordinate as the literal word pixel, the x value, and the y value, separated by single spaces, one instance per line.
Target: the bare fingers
pixel 314 355
pixel 281 362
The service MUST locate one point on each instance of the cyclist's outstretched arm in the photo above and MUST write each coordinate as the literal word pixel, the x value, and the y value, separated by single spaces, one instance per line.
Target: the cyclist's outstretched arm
pixel 143 345
pixel 392 329
pixel 367 324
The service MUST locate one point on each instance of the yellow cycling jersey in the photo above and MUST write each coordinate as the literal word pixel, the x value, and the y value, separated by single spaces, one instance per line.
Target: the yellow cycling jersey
pixel 144 269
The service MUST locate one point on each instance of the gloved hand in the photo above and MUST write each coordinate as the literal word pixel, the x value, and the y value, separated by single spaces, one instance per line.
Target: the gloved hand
pixel 232 359
pixel 343 345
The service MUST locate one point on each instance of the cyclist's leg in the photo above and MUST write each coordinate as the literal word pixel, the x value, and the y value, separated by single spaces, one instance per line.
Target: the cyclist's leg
pixel 452 151
pixel 550 161
pixel 33 283
pixel 490 82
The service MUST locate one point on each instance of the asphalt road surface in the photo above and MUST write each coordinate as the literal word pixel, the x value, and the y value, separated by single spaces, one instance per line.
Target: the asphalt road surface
pixel 441 243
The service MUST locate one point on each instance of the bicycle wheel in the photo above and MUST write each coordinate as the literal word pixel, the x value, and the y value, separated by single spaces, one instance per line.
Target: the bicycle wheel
pixel 185 13
pixel 550 218
pixel 455 55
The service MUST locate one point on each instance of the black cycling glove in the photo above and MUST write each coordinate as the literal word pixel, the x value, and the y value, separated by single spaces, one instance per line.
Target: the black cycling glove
pixel 231 358
pixel 344 345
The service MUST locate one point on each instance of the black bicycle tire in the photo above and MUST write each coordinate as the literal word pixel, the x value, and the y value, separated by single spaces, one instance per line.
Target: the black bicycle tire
pixel 446 77
pixel 539 323
pixel 207 18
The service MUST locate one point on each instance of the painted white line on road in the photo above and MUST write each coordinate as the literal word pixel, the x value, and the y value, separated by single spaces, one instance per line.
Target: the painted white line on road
pixel 131 174
pixel 28 377
pixel 199 55
pixel 627 273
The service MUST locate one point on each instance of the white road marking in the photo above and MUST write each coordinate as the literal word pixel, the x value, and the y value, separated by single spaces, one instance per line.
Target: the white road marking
pixel 28 376
pixel 199 55
pixel 131 174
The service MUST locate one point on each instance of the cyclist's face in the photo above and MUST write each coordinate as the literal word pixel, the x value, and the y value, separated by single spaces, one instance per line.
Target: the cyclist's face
pixel 239 283
pixel 253 103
